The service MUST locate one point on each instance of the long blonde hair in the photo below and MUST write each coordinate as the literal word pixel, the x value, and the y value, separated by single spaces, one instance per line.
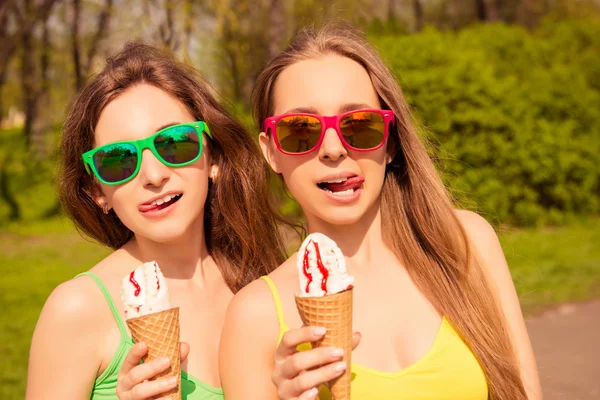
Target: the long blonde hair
pixel 419 221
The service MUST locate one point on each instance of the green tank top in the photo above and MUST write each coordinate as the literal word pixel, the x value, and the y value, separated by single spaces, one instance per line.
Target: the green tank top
pixel 105 386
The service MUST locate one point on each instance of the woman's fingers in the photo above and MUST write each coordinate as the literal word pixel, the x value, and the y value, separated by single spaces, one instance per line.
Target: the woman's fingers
pixel 311 379
pixel 133 358
pixel 141 373
pixel 309 394
pixel 307 360
pixel 151 389
pixel 297 374
pixel 291 339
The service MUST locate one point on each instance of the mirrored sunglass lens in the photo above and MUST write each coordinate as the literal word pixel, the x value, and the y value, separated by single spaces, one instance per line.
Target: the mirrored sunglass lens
pixel 116 162
pixel 298 133
pixel 178 145
pixel 363 130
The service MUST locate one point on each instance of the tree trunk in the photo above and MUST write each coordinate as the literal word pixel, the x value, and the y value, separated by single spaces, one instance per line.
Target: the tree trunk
pixel 28 82
pixel 418 13
pixel 102 24
pixel 5 193
pixel 276 28
pixel 487 10
pixel 187 27
pixel 4 58
pixel 167 30
pixel 42 123
pixel 76 45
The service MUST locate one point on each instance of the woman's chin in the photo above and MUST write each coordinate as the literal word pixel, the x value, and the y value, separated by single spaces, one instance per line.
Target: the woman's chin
pixel 341 216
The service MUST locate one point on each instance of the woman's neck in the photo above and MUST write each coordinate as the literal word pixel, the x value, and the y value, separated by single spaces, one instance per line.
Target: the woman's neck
pixel 183 258
pixel 361 242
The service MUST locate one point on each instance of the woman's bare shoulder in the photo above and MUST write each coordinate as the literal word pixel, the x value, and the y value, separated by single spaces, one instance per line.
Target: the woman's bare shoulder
pixel 80 298
pixel 286 272
pixel 255 304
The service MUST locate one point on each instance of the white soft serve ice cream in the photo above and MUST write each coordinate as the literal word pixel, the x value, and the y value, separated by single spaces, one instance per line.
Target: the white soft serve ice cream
pixel 145 291
pixel 321 267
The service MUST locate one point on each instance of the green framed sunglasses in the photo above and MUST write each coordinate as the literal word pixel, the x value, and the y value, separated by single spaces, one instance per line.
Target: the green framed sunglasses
pixel 119 162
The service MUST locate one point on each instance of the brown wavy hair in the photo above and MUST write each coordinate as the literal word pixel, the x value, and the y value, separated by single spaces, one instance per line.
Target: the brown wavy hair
pixel 421 225
pixel 241 225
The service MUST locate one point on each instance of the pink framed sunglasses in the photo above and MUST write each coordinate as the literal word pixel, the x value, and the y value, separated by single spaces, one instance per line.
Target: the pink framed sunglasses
pixel 360 130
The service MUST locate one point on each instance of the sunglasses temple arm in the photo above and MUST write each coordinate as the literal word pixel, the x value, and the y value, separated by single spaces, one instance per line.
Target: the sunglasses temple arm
pixel 207 130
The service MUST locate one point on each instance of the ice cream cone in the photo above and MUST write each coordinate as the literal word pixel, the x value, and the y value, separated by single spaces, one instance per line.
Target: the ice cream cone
pixel 160 332
pixel 333 312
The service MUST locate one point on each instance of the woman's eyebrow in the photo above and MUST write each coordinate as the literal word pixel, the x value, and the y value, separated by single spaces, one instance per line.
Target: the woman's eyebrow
pixel 167 125
pixel 341 110
pixel 302 110
pixel 354 106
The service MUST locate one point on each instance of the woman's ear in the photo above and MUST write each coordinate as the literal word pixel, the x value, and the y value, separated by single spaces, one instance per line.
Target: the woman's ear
pixel 392 148
pixel 269 151
pixel 94 192
pixel 214 172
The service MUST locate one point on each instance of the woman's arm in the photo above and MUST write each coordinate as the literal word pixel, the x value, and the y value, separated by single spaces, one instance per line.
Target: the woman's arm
pixel 492 260
pixel 251 364
pixel 65 357
pixel 248 341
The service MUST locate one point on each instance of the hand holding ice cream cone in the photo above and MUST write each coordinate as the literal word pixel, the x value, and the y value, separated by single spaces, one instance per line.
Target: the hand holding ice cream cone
pixel 325 300
pixel 154 321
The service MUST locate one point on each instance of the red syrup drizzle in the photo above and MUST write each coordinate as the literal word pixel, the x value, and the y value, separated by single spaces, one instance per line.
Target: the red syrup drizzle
pixel 322 268
pixel 135 284
pixel 157 281
pixel 305 269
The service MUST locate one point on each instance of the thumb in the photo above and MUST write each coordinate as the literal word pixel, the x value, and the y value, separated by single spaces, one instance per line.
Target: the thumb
pixel 356 336
pixel 184 350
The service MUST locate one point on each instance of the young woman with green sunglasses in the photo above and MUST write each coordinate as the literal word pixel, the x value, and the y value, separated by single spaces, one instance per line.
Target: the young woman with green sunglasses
pixel 196 202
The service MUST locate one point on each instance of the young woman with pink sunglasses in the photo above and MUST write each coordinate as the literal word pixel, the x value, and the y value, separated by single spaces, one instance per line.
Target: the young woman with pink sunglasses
pixel 434 302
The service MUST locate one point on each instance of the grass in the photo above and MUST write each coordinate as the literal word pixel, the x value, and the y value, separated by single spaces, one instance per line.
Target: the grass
pixel 35 258
pixel 549 266
pixel 554 265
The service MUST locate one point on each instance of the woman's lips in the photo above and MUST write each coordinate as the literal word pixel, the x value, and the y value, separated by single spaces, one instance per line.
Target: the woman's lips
pixel 353 183
pixel 145 208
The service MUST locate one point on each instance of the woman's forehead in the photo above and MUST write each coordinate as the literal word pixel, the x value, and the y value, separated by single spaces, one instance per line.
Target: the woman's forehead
pixel 326 84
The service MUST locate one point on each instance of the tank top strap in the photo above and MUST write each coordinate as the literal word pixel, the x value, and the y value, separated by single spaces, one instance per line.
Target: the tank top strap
pixel 282 326
pixel 110 302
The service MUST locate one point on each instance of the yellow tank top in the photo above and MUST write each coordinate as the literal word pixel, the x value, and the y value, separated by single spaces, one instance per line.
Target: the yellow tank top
pixel 449 370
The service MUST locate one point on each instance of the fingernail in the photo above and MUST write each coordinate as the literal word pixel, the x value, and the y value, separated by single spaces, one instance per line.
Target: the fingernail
pixel 172 380
pixel 339 367
pixel 337 352
pixel 319 331
pixel 313 393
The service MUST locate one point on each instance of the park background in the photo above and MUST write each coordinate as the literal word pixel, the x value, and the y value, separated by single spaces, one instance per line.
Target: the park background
pixel 506 93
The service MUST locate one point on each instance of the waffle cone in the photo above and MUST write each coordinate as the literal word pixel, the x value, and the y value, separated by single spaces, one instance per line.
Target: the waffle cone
pixel 333 312
pixel 160 332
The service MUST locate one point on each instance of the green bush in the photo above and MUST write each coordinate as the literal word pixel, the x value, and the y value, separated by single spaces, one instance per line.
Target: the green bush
pixel 513 117
pixel 27 182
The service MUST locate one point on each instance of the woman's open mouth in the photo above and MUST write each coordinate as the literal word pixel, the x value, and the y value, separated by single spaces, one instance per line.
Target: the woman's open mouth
pixel 162 203
pixel 342 186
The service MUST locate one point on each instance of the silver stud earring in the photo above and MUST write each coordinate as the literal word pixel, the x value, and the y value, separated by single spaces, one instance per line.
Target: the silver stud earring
pixel 105 208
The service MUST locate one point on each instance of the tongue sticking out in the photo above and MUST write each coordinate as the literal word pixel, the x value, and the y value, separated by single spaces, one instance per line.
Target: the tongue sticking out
pixel 351 183
pixel 151 207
